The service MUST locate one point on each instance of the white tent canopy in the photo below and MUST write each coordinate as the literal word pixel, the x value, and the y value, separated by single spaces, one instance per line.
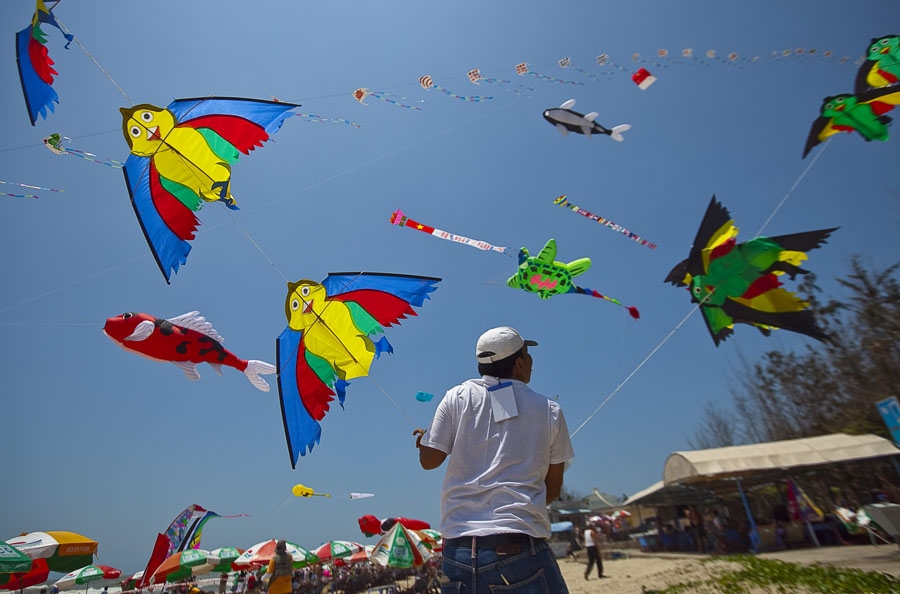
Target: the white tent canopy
pixel 739 461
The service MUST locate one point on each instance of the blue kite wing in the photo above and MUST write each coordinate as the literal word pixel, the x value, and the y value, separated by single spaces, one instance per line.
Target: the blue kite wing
pixel 39 96
pixel 167 223
pixel 268 115
pixel 410 288
pixel 301 431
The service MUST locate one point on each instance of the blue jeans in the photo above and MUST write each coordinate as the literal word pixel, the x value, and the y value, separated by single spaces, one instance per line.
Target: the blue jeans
pixel 531 571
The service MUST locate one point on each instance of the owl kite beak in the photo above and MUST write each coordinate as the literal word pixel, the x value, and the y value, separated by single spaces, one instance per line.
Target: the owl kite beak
pixel 153 133
pixel 308 308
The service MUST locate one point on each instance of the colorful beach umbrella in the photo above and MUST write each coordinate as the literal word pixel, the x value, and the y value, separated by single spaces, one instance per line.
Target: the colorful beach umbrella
pixel 226 556
pixel 261 553
pixel 360 556
pixel 64 551
pixel 431 538
pixel 337 549
pixel 401 548
pixel 13 560
pixel 183 565
pixel 131 582
pixel 84 575
pixel 19 580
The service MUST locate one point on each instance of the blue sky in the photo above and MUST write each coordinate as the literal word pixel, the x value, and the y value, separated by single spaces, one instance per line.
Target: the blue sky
pixel 109 444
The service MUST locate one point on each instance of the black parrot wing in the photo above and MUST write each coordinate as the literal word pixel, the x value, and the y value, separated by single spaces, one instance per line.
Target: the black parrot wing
pixel 714 220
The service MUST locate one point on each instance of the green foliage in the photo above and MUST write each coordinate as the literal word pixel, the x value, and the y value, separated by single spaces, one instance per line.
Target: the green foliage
pixel 824 388
pixel 778 576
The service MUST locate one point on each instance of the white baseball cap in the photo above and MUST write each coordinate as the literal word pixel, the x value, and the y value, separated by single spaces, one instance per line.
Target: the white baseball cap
pixel 499 343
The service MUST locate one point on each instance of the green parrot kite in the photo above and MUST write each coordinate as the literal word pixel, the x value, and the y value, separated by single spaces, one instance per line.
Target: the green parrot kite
pixel 863 112
pixel 738 282
pixel 543 275
pixel 882 65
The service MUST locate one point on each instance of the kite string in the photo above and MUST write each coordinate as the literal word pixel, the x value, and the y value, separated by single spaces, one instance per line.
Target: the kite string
pixel 792 188
pixel 403 412
pixel 94 60
pixel 640 365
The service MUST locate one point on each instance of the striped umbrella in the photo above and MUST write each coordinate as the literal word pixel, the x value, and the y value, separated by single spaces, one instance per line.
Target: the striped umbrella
pixel 431 538
pixel 226 556
pixel 64 551
pixel 183 565
pixel 85 575
pixel 261 553
pixel 337 549
pixel 399 547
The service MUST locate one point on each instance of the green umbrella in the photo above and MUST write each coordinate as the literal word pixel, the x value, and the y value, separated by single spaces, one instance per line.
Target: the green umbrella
pixel 226 556
pixel 13 560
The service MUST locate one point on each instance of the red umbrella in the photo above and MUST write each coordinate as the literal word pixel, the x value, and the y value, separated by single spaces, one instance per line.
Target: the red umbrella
pixel 38 574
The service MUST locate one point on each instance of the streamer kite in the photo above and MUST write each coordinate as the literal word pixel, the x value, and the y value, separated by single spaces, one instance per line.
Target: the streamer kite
pixel 567 63
pixel 426 83
pixel 56 145
pixel 476 78
pixel 185 341
pixel 329 341
pixel 739 282
pixel 29 186
pixel 568 120
pixel 863 113
pixel 563 201
pixel 181 157
pixel 522 70
pixel 543 275
pixel 400 219
pixel 361 94
pixel 35 66
pixel 882 65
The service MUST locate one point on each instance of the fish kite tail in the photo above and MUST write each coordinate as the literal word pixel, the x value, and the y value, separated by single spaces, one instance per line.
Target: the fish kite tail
pixel 255 369
pixel 616 132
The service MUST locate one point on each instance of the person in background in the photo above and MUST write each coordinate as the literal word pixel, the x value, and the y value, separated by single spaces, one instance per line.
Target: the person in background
pixel 223 582
pixel 508 447
pixel 592 545
pixel 280 570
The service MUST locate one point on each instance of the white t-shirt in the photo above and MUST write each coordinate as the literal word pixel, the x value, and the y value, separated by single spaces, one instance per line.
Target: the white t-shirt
pixel 495 472
pixel 589 538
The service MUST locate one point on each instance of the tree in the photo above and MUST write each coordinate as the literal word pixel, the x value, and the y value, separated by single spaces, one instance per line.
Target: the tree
pixel 825 388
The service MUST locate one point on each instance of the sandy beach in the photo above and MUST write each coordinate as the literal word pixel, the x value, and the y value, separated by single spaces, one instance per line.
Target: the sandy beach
pixel 655 571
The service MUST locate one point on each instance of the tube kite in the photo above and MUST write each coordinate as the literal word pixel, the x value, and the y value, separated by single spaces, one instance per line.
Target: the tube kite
pixel 739 282
pixel 185 341
pixel 563 201
pixel 328 341
pixel 398 218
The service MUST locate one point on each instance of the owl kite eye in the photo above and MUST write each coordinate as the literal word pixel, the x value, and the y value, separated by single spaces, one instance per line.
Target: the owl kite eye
pixel 125 316
pixel 135 131
pixel 146 116
pixel 839 101
pixel 304 291
pixel 295 304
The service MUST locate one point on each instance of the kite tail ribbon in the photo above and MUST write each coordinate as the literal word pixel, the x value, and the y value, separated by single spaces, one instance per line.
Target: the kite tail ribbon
pixel 400 219
pixel 632 311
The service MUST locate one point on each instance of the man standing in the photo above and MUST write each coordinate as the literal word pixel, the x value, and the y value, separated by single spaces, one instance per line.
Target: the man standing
pixel 508 448
pixel 592 544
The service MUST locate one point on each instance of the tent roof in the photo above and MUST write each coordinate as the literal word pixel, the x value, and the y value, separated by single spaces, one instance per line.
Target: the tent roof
pixel 660 494
pixel 772 457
